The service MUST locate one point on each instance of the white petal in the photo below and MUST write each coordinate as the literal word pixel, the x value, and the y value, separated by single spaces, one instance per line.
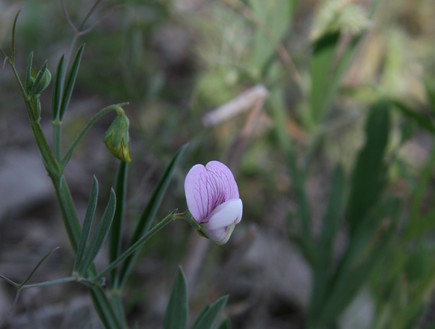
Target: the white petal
pixel 227 213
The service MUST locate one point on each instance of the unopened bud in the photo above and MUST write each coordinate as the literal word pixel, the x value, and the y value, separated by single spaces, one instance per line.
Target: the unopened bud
pixel 117 137
pixel 41 82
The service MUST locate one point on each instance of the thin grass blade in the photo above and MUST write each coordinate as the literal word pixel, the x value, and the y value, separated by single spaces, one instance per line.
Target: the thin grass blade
pixel 368 177
pixel 422 120
pixel 323 266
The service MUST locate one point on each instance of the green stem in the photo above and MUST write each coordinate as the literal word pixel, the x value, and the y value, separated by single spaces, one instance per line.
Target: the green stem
pixel 118 307
pixel 68 211
pixel 50 163
pixel 297 175
pixel 104 309
pixel 91 122
pixel 69 215
pixel 94 6
pixel 120 187
pixel 17 78
pixel 133 248
pixel 50 283
pixel 56 138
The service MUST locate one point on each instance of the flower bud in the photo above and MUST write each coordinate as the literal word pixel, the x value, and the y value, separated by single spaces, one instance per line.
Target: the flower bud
pixel 41 82
pixel 117 137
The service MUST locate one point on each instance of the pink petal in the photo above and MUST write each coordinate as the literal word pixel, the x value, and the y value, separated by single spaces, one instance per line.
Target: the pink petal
pixel 208 187
pixel 224 176
pixel 200 190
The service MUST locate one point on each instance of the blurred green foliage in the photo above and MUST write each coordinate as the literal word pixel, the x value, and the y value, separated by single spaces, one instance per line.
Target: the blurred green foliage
pixel 352 92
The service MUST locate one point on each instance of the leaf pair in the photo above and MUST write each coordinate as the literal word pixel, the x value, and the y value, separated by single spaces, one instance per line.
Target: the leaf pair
pixel 177 309
pixel 62 90
pixel 88 246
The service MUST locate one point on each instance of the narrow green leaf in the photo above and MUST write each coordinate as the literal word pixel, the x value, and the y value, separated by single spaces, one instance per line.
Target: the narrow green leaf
pixel 419 227
pixel 320 70
pixel 327 70
pixel 302 220
pixel 69 86
pixel 334 212
pixel 351 277
pixel 87 225
pixel 115 237
pixel 41 261
pixel 201 315
pixel 14 25
pixel 226 324
pixel 274 18
pixel 415 306
pixel 177 311
pixel 100 234
pixel 58 88
pixel 29 71
pixel 422 120
pixel 69 214
pixel 150 211
pixel 368 176
pixel 430 93
pixel 331 223
pixel 419 192
pixel 208 318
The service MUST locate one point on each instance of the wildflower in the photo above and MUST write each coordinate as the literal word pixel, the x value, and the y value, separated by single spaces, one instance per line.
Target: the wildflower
pixel 213 200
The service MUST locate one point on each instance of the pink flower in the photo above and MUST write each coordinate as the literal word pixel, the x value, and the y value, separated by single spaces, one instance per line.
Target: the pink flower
pixel 213 200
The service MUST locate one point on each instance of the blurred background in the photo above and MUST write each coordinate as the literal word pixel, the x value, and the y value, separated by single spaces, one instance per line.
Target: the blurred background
pixel 174 62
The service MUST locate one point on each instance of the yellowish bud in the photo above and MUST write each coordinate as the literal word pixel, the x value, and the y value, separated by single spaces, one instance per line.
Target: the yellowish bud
pixel 117 137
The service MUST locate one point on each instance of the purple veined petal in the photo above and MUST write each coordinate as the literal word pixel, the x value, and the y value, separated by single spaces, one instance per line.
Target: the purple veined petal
pixel 201 192
pixel 223 175
pixel 208 187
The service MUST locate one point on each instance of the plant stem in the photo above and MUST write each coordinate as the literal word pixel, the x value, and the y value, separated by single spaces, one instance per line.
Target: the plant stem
pixel 91 122
pixel 115 237
pixel 133 248
pixel 118 307
pixel 50 283
pixel 56 138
